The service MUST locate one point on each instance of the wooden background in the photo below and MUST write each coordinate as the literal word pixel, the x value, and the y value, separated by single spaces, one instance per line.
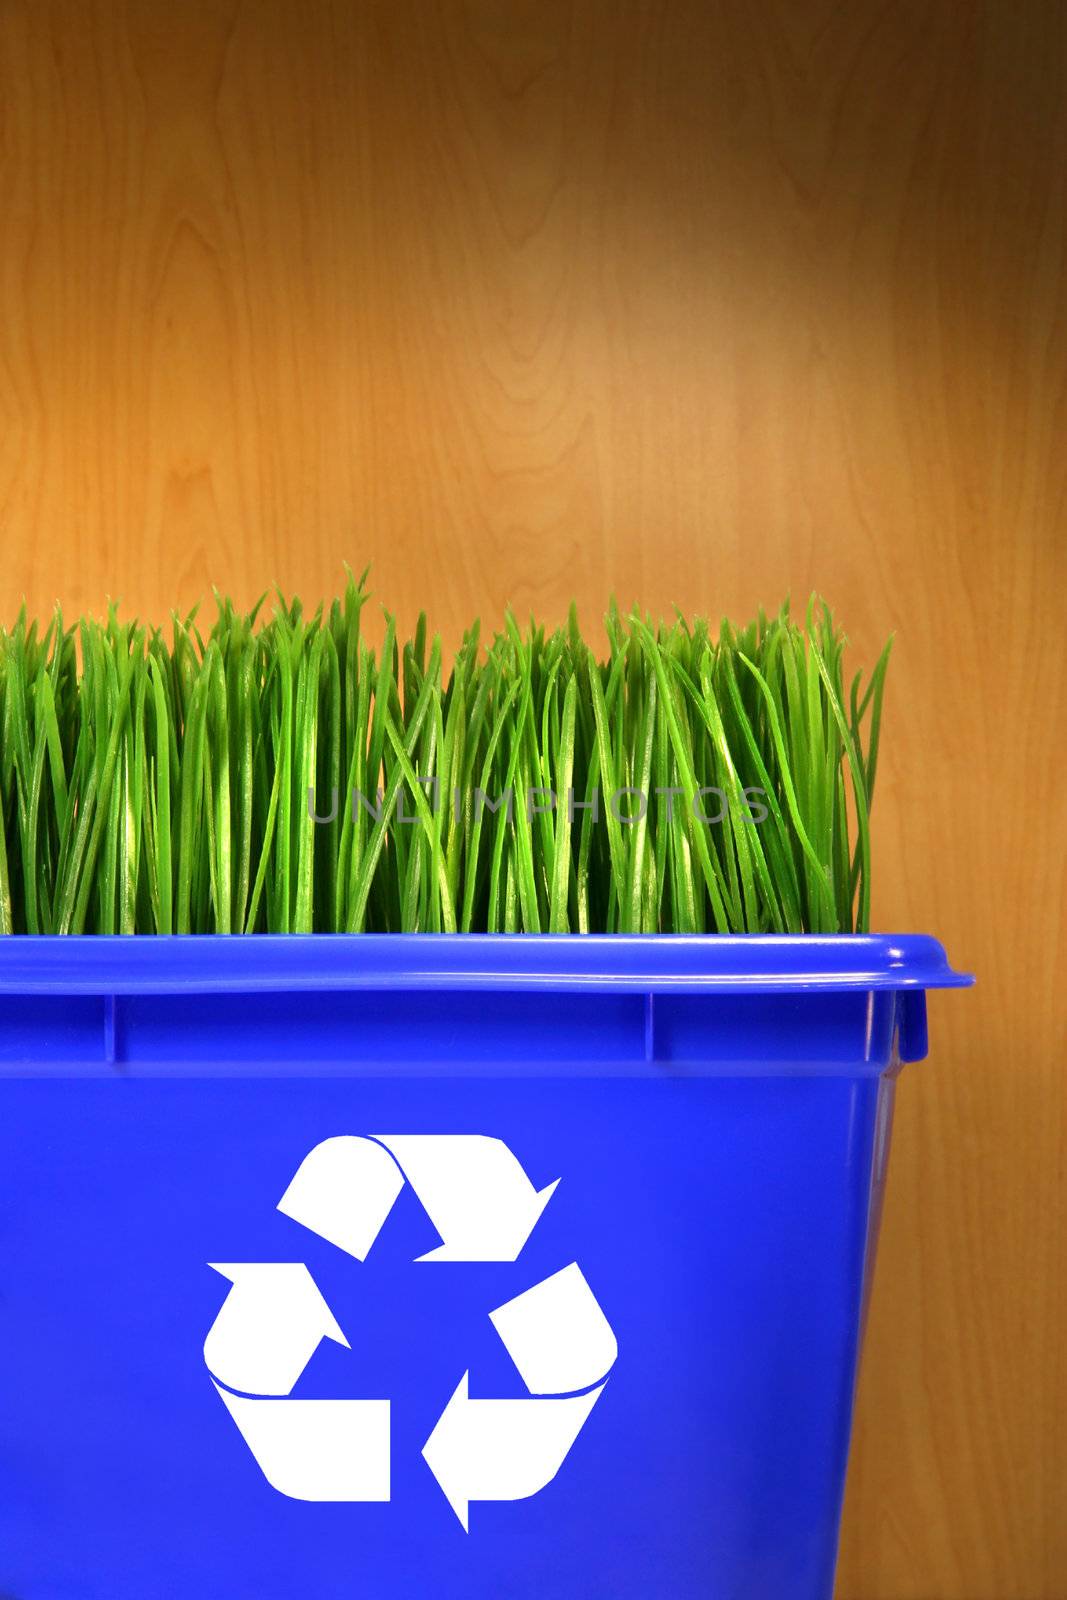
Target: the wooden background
pixel 693 300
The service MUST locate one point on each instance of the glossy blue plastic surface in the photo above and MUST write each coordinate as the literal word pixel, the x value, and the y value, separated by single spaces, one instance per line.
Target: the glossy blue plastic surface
pixel 717 1113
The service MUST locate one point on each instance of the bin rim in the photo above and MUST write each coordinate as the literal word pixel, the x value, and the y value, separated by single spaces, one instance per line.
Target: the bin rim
pixel 114 964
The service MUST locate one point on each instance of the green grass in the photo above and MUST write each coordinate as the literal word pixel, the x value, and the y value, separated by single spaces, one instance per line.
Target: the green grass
pixel 158 781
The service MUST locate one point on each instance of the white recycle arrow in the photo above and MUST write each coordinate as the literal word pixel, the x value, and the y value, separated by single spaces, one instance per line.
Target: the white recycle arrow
pixel 472 1188
pixel 502 1449
pixel 484 1207
pixel 560 1341
pixel 474 1191
pixel 317 1449
pixel 343 1190
pixel 270 1325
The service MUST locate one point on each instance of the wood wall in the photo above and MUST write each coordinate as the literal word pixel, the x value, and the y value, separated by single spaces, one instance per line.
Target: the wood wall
pixel 692 300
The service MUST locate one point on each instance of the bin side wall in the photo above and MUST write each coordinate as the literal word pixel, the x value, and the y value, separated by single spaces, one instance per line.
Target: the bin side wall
pixel 720 1220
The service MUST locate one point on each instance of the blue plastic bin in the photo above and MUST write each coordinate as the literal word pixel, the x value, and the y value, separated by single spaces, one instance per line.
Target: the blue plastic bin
pixel 433 1268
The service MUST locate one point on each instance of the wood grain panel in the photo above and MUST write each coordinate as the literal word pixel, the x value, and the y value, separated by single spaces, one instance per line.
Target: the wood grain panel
pixel 694 300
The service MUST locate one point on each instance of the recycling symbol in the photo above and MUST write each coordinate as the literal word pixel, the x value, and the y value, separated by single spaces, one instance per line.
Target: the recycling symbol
pixel 484 1207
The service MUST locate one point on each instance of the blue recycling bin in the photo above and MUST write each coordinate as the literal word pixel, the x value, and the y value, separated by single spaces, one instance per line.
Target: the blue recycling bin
pixel 439 1268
